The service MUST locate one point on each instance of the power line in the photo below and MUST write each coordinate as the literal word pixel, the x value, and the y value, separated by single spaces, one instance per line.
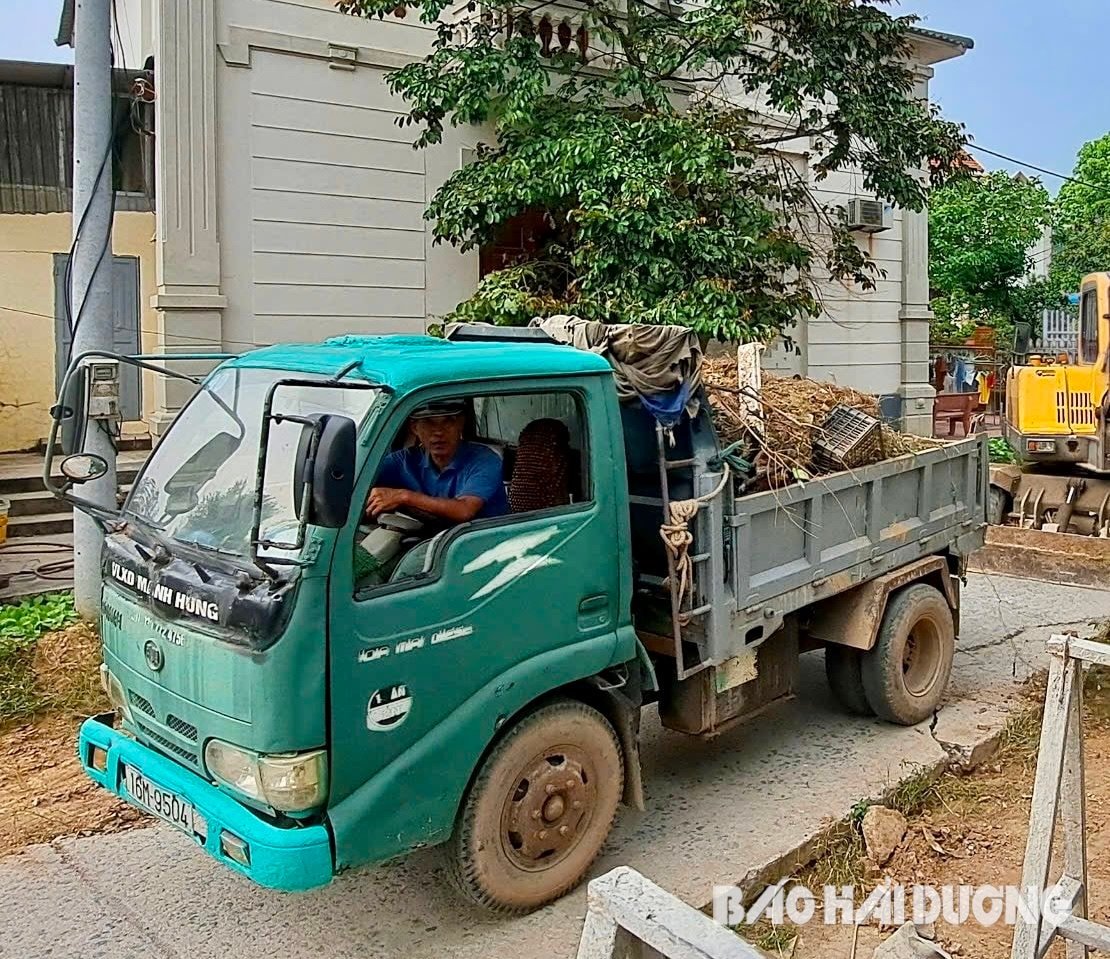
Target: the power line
pixel 16 309
pixel 1037 169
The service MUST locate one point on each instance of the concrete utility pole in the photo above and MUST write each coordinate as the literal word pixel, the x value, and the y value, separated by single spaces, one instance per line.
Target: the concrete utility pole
pixel 91 266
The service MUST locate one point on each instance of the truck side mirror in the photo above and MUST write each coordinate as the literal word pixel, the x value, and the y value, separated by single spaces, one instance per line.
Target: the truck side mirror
pixel 83 467
pixel 330 463
pixel 70 413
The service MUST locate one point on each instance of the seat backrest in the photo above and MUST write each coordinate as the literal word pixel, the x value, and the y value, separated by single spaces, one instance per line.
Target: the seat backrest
pixel 541 474
pixel 956 402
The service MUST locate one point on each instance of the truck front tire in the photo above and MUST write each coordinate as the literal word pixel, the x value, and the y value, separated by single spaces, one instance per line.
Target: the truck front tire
pixel 906 674
pixel 539 810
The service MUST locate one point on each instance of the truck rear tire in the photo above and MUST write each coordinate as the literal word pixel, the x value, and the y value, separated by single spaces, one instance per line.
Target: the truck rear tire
pixel 906 674
pixel 539 810
pixel 843 670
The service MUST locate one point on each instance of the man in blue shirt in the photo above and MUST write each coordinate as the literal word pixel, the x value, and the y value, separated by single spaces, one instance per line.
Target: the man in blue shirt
pixel 444 476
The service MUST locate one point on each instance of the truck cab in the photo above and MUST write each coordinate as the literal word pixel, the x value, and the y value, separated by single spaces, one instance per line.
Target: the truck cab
pixel 1058 424
pixel 1054 409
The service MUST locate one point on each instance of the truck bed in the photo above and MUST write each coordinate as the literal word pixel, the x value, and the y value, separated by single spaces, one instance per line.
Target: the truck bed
pixel 761 557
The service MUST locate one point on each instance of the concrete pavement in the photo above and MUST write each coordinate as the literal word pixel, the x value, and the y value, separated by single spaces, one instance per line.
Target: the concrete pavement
pixel 717 811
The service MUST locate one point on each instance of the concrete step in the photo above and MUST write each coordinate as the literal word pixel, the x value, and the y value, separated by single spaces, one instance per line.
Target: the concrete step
pixel 44 505
pixel 127 442
pixel 22 472
pixel 39 524
pixel 33 503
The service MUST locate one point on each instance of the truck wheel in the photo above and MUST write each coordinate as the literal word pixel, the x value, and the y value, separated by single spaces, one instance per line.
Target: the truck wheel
pixel 998 505
pixel 906 674
pixel 842 668
pixel 539 810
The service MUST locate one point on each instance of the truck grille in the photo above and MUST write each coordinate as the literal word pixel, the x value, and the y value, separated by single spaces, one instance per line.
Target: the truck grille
pixel 141 703
pixel 187 754
pixel 172 733
pixel 188 730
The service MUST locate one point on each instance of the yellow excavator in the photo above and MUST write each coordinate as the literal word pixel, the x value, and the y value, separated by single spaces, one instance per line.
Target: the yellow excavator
pixel 1050 511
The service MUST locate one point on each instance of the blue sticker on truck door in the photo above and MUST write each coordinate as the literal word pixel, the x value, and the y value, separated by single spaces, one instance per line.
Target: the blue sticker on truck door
pixel 388 707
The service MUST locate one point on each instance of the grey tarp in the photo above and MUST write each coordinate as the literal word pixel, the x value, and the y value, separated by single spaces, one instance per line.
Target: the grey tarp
pixel 648 360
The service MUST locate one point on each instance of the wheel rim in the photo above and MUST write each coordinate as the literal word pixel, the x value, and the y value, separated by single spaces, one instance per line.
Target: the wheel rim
pixel 549 808
pixel 921 657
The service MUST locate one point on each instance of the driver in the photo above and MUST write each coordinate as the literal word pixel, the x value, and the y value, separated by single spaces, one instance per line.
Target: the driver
pixel 443 476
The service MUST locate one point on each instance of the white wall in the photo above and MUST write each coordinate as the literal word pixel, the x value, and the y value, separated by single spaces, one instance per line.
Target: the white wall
pixel 329 188
pixel 134 28
pixel 319 195
pixel 1041 255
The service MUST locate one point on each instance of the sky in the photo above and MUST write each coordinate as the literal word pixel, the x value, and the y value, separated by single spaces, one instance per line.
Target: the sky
pixel 1036 86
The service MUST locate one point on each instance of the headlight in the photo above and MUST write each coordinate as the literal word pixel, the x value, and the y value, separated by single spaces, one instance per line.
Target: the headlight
pixel 234 767
pixel 116 695
pixel 288 783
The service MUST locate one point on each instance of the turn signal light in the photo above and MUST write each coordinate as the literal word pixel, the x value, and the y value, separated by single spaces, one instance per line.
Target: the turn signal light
pixel 234 848
pixel 98 759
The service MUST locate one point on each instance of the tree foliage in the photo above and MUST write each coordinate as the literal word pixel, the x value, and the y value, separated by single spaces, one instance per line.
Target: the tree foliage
pixel 981 232
pixel 1081 231
pixel 649 133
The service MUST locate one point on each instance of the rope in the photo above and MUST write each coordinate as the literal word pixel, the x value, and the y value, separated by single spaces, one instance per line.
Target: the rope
pixel 677 537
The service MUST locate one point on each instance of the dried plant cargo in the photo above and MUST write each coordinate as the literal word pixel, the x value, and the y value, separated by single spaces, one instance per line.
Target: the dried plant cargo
pixel 480 687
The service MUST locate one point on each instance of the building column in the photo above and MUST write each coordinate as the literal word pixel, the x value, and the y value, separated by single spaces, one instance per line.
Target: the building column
pixel 915 389
pixel 189 300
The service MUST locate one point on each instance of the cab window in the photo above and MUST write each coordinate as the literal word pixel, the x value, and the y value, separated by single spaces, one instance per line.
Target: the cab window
pixel 1088 328
pixel 489 458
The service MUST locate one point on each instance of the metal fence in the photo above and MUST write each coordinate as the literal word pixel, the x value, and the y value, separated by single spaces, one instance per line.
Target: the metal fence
pixel 1059 333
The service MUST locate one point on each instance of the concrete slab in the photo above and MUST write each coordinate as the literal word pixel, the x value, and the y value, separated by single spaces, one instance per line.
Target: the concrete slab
pixel 43 564
pixel 717 811
pixel 969 731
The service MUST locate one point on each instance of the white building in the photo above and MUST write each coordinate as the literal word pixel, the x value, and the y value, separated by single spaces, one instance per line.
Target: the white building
pixel 290 204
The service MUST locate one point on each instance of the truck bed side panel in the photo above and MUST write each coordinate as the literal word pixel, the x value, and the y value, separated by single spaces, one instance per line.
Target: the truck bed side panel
pixel 792 547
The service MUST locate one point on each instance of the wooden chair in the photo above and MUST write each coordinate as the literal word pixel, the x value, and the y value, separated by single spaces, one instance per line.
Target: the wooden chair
pixel 955 408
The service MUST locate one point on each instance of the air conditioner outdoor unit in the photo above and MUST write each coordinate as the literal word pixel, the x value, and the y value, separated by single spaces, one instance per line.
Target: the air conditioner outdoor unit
pixel 868 216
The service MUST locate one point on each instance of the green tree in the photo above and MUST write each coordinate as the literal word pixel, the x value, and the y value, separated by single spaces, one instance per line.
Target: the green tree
pixel 646 135
pixel 1081 231
pixel 981 230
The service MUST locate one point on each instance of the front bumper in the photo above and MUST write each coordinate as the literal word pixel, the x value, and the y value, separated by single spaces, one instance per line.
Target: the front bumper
pixel 292 860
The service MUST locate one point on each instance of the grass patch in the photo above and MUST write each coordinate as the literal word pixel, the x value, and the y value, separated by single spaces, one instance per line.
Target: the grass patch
pixel 916 793
pixel 21 626
pixel 777 940
pixel 840 856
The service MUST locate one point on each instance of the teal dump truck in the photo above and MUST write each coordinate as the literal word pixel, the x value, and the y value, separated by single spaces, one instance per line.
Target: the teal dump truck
pixel 301 688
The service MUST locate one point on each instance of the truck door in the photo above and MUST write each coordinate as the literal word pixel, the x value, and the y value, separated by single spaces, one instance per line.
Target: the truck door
pixel 436 649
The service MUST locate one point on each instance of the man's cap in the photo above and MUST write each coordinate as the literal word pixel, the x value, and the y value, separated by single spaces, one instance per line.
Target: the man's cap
pixel 439 408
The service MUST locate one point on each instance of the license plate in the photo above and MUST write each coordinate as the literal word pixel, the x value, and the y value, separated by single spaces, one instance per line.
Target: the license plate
pixel 161 802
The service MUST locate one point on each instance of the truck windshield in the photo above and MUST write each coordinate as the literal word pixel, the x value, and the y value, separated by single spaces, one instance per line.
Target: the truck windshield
pixel 198 486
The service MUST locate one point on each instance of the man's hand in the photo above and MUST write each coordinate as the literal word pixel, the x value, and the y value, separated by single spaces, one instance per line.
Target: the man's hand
pixel 386 499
